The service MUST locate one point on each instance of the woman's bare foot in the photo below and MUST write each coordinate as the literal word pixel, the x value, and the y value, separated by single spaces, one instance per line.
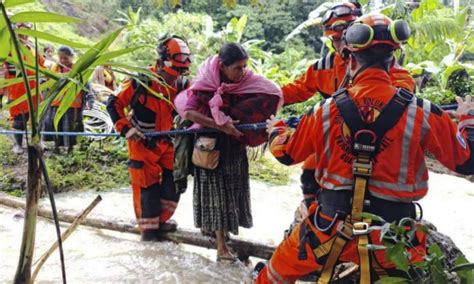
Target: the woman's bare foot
pixel 226 256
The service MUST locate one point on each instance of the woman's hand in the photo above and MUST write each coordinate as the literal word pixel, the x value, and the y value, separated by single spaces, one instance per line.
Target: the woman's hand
pixel 230 129
pixel 465 107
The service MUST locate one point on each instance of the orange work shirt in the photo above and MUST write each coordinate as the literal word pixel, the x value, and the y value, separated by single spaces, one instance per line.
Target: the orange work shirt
pixel 399 172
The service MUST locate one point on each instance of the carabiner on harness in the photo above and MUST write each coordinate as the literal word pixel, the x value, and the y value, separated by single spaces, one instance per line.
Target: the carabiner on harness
pixel 328 227
pixel 411 223
pixel 363 228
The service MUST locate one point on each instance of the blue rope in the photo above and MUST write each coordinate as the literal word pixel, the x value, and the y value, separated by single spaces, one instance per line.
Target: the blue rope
pixel 448 107
pixel 251 126
pixel 291 122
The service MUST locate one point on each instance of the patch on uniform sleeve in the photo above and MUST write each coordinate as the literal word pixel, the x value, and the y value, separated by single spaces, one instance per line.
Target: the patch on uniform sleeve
pixel 461 140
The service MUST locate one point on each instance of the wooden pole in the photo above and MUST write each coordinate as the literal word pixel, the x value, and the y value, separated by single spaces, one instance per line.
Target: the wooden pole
pixel 39 263
pixel 244 247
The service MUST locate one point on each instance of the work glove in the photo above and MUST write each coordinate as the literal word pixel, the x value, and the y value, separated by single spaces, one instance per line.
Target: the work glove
pixel 272 122
pixel 134 134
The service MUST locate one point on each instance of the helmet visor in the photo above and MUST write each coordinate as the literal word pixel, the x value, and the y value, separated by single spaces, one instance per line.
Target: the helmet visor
pixel 340 11
pixel 182 57
pixel 338 26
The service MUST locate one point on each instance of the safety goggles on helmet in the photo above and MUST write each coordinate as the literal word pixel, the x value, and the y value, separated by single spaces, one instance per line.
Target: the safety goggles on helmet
pixel 182 57
pixel 340 11
pixel 338 26
pixel 361 35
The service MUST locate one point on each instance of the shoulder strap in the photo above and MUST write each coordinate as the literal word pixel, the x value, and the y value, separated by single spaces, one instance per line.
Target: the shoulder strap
pixel 367 137
pixel 139 90
pixel 181 84
pixel 392 112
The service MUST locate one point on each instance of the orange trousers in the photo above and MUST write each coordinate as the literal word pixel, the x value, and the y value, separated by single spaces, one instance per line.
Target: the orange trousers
pixel 286 267
pixel 151 173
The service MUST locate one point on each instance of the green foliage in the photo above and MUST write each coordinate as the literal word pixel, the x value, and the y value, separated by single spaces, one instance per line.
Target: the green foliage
pixel 437 95
pixel 301 108
pixel 438 32
pixel 204 41
pixel 396 239
pixel 6 153
pixel 464 269
pixel 50 38
pixel 9 180
pixel 42 17
pixel 92 165
pixel 269 171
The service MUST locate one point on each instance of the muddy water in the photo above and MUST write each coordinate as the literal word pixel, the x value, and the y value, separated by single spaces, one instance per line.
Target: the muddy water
pixel 102 256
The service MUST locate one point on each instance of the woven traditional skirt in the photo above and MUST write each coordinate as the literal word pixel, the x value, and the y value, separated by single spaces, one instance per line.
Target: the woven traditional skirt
pixel 222 196
pixel 72 121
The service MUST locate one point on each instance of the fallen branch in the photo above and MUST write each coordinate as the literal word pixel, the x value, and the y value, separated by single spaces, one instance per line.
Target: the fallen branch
pixel 243 246
pixel 39 263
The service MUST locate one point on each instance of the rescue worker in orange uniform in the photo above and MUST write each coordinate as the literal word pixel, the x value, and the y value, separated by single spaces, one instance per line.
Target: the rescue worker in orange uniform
pixel 328 74
pixel 151 160
pixel 19 114
pixel 72 119
pixel 368 142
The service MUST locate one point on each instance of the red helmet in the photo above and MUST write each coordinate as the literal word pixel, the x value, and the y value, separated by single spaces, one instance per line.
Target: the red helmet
pixel 339 17
pixel 175 55
pixel 375 29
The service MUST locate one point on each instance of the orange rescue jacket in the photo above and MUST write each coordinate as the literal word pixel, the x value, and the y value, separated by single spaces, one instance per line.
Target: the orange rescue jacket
pixel 156 114
pixel 17 90
pixel 325 76
pixel 399 172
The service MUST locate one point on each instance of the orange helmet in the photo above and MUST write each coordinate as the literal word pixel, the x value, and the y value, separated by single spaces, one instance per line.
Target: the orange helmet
pixel 374 29
pixel 175 56
pixel 339 17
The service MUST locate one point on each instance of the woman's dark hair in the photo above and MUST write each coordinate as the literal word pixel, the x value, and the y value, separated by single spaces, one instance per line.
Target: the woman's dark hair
pixel 48 47
pixel 66 50
pixel 231 53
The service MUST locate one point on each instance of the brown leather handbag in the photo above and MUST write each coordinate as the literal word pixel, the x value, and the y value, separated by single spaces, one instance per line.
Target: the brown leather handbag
pixel 205 154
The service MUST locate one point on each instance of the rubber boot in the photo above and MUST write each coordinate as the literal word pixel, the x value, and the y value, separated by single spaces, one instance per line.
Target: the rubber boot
pixel 168 226
pixel 261 265
pixel 150 236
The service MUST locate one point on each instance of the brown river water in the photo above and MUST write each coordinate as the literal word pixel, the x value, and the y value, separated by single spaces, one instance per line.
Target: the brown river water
pixel 101 256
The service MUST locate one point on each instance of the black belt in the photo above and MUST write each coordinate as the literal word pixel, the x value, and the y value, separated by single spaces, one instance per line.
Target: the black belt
pixel 336 204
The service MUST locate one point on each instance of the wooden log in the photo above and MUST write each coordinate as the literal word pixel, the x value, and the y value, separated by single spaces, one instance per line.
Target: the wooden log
pixel 244 247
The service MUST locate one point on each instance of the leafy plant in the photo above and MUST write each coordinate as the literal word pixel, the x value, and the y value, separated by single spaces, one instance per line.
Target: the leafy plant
pixel 397 240
pixel 65 86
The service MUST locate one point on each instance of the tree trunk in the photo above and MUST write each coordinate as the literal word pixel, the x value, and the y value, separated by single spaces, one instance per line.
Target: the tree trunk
pixel 23 273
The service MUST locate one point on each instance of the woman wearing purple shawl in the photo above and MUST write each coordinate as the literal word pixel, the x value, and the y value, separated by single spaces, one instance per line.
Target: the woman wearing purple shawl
pixel 223 94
